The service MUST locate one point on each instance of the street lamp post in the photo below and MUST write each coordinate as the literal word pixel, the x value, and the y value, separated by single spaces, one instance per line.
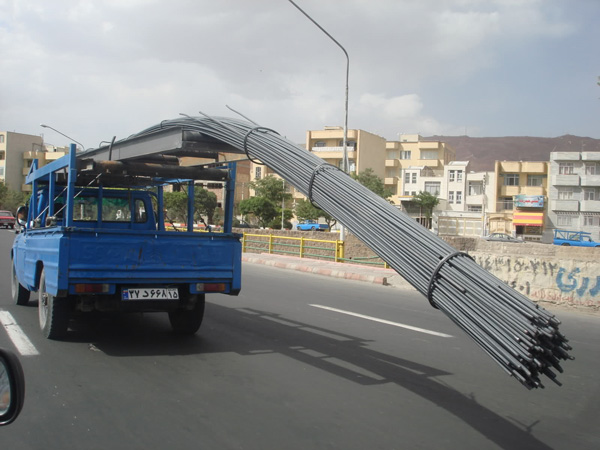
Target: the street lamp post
pixel 43 125
pixel 345 141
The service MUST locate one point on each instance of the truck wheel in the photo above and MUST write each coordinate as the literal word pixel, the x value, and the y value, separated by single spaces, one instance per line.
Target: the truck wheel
pixel 188 321
pixel 53 312
pixel 20 295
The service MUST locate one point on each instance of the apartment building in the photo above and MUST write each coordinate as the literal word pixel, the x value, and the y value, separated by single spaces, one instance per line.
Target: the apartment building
pixel 519 203
pixel 365 150
pixel 410 155
pixel 17 150
pixel 574 193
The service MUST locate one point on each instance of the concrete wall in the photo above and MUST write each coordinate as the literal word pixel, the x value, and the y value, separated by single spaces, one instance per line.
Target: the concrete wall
pixel 542 272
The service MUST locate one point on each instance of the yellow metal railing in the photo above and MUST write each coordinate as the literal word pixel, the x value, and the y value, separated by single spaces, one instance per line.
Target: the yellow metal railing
pixel 302 247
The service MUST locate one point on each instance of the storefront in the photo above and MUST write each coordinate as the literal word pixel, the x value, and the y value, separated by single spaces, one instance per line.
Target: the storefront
pixel 528 216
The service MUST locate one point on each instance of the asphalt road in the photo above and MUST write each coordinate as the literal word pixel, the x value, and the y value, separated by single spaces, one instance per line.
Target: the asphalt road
pixel 273 369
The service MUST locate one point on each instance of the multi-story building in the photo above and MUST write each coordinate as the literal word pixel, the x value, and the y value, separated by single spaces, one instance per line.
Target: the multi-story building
pixel 519 202
pixel 365 150
pixel 17 150
pixel 411 153
pixel 574 193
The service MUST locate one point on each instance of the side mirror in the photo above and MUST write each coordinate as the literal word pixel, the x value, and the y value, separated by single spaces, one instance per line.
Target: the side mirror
pixel 22 214
pixel 12 387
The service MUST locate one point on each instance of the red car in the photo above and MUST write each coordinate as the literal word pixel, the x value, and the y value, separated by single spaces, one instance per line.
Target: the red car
pixel 7 219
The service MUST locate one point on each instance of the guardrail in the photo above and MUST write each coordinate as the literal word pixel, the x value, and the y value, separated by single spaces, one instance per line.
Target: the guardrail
pixel 303 248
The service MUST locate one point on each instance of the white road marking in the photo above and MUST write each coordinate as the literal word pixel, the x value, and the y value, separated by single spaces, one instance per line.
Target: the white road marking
pixel 387 322
pixel 16 335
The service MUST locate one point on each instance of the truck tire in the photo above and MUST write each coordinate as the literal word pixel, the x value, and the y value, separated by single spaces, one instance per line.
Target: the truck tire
pixel 53 312
pixel 188 321
pixel 20 295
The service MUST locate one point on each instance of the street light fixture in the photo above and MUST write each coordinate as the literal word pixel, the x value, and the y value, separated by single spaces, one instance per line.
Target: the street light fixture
pixel 345 141
pixel 43 125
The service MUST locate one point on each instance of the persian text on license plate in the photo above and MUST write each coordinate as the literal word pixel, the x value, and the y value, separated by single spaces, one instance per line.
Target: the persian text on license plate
pixel 150 294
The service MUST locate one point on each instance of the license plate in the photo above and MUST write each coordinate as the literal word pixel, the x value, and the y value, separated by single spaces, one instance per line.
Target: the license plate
pixel 150 294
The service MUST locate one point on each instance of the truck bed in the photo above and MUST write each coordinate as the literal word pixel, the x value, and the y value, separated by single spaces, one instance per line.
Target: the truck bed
pixel 133 257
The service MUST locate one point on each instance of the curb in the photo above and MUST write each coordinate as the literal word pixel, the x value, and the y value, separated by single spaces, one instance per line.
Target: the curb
pixel 314 268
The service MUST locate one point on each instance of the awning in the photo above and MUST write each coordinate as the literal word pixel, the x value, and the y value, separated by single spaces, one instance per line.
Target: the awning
pixel 528 219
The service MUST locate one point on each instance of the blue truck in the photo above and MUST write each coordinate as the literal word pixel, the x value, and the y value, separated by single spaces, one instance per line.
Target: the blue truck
pixel 93 238
pixel 574 238
pixel 312 225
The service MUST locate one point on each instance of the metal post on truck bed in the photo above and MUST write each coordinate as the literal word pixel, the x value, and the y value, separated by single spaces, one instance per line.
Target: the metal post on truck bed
pixel 229 199
pixel 72 177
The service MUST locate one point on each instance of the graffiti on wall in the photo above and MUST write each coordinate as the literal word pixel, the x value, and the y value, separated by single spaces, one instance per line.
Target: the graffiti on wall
pixel 564 281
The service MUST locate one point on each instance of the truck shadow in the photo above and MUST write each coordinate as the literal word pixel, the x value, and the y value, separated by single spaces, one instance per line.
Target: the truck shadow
pixel 250 332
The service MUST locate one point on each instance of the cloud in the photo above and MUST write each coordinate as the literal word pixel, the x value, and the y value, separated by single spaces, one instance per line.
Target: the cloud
pixel 104 68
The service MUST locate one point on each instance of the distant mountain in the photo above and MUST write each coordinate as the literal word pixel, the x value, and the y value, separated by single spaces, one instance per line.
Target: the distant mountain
pixel 483 152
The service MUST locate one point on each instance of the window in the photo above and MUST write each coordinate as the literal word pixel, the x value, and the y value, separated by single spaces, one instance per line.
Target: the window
pixel 319 144
pixel 590 194
pixel 511 179
pixel 348 143
pixel 429 154
pixel 406 193
pixel 475 187
pixel 592 169
pixel 414 177
pixel 565 168
pixel 458 197
pixel 258 172
pixel 451 197
pixel 564 220
pixel 591 221
pixel 535 180
pixel 474 208
pixel 405 154
pixel 565 194
pixel 2 156
pixel 391 154
pixel 1 139
pixel 459 175
pixel 506 203
pixel 451 175
pixel 406 178
pixel 432 187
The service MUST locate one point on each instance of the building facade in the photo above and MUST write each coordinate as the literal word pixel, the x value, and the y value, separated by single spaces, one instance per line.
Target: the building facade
pixel 520 199
pixel 17 151
pixel 574 193
pixel 409 154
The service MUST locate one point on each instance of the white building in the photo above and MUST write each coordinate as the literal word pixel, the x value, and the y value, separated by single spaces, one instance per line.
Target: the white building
pixel 574 194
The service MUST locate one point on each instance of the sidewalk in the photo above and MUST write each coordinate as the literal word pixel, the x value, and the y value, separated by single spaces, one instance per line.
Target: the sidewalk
pixel 357 272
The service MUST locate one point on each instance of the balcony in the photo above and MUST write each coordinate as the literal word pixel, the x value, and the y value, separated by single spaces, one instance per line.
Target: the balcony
pixel 590 156
pixel 533 190
pixel 392 181
pixel 534 167
pixel 392 163
pixel 590 180
pixel 564 156
pixel 474 199
pixel 590 205
pixel 565 180
pixel 565 205
pixel 509 191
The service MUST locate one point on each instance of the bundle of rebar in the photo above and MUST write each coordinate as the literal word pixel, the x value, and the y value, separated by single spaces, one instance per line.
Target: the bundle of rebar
pixel 522 337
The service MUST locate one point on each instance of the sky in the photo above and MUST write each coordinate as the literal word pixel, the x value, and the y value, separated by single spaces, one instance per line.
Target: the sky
pixel 96 69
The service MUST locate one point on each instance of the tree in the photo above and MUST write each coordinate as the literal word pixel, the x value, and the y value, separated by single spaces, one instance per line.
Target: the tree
pixel 371 181
pixel 305 210
pixel 11 200
pixel 426 202
pixel 176 206
pixel 205 204
pixel 271 188
pixel 261 207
